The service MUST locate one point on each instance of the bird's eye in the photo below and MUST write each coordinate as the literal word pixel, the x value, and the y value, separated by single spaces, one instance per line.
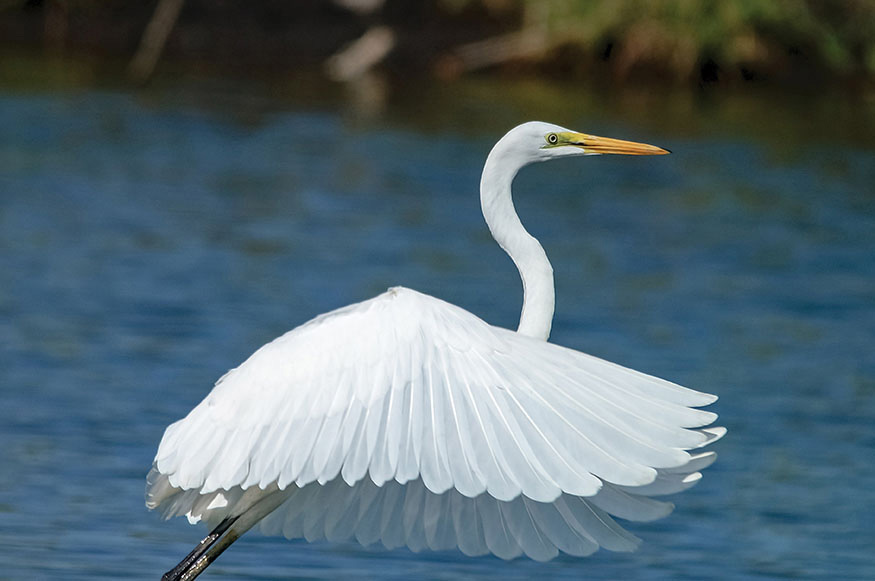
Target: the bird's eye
pixel 552 139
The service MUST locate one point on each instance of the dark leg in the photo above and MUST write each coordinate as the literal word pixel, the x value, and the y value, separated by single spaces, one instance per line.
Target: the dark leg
pixel 208 541
pixel 202 562
pixel 232 528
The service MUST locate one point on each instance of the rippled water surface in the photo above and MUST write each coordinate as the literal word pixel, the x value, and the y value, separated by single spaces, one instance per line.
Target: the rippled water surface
pixel 151 240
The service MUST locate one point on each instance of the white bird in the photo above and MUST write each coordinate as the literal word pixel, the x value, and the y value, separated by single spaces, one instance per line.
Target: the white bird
pixel 407 421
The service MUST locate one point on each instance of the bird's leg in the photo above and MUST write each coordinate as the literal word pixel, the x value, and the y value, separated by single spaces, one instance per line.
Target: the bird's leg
pixel 202 562
pixel 215 543
pixel 199 550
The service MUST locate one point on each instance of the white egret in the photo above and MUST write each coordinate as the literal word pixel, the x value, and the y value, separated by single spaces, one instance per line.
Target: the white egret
pixel 408 421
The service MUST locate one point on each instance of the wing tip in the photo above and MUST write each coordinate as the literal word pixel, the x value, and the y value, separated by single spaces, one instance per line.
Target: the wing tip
pixel 709 398
pixel 712 434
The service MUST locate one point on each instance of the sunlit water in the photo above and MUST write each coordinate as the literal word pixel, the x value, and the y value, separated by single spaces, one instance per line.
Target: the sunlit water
pixel 150 241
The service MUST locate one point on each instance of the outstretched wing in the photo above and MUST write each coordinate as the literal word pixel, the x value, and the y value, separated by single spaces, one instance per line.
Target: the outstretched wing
pixel 405 387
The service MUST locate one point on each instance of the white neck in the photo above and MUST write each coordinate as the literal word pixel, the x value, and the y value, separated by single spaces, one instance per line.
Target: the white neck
pixel 525 251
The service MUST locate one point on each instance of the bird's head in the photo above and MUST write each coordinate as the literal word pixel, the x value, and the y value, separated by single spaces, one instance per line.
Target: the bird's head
pixel 537 141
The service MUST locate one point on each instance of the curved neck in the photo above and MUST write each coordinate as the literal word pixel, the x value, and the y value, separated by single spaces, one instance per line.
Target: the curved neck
pixel 525 251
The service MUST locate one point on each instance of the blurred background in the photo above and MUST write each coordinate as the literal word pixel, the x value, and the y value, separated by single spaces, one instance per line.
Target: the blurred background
pixel 182 181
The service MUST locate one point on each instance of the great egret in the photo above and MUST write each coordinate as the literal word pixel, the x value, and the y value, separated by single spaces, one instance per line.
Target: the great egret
pixel 408 421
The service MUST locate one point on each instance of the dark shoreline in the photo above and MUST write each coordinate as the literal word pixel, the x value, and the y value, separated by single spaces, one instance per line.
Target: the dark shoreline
pixel 429 39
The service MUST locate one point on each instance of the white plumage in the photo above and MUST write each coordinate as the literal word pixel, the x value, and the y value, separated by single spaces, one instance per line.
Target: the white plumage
pixel 408 421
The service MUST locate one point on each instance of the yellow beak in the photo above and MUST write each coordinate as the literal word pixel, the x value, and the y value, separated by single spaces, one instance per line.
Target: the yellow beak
pixel 596 144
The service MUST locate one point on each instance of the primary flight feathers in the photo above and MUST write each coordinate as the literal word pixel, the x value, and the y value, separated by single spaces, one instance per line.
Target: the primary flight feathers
pixel 457 408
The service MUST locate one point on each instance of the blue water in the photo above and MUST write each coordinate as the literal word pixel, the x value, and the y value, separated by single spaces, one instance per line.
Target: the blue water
pixel 150 241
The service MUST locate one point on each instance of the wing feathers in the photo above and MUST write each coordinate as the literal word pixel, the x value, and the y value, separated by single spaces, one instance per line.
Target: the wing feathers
pixel 465 471
pixel 434 466
pixel 397 515
pixel 408 421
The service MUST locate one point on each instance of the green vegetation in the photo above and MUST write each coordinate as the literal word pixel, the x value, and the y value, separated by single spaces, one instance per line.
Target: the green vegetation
pixel 716 39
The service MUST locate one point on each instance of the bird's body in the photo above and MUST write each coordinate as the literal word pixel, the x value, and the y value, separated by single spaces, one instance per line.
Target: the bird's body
pixel 408 421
